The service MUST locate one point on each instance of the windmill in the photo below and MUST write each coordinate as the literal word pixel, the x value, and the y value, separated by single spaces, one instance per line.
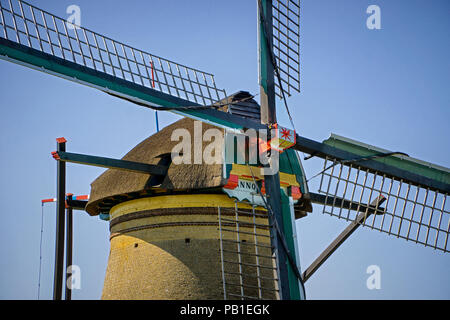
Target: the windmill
pixel 380 189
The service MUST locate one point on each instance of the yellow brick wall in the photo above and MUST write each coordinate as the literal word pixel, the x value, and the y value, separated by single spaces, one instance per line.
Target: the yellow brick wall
pixel 172 255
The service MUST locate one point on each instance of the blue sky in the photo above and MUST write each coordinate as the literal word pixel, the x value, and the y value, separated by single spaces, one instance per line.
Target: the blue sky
pixel 388 88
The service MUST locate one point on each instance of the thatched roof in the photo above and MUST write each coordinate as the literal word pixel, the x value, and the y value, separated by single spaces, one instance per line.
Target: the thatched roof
pixel 115 185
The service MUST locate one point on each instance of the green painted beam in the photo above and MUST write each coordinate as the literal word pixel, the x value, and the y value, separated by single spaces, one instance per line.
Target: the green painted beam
pixel 141 95
pixel 268 116
pixel 294 284
pixel 418 167
pixel 405 171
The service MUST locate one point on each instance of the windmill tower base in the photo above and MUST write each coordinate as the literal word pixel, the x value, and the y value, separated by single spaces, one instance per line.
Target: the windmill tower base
pixel 168 248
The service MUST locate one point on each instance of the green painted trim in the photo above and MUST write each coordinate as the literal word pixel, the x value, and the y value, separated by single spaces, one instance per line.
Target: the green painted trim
pixel 294 287
pixel 289 163
pixel 263 54
pixel 401 162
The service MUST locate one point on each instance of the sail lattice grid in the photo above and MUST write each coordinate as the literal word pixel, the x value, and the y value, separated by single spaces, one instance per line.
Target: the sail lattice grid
pixel 249 269
pixel 34 28
pixel 286 44
pixel 407 210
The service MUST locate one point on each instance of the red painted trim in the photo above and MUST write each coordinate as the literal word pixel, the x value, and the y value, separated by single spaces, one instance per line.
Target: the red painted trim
pixel 47 200
pixel 153 79
pixel 295 192
pixel 233 181
pixel 55 155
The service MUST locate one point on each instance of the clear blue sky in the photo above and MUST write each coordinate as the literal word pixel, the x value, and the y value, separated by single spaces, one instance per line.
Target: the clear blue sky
pixel 388 87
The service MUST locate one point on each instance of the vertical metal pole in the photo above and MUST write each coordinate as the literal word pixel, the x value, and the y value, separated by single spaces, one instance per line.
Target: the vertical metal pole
pixel 258 268
pixel 69 244
pixel 239 251
pixel 157 121
pixel 268 116
pixel 60 217
pixel 221 255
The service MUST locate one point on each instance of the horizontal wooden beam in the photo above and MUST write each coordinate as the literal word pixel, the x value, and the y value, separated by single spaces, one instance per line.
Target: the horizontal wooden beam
pixel 110 163
pixel 77 204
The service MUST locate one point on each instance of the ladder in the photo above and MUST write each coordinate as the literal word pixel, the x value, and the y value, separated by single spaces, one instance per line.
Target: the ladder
pixel 248 265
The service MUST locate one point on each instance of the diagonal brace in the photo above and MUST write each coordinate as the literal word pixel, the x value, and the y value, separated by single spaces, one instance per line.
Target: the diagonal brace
pixel 340 239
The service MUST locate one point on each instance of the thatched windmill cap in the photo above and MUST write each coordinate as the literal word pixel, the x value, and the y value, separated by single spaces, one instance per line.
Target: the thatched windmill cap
pixel 115 186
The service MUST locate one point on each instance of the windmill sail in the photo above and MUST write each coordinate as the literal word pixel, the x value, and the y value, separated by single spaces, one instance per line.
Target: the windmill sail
pixel 286 44
pixel 40 40
pixel 414 192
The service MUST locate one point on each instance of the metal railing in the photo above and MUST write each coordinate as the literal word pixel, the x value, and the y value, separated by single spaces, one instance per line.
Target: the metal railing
pixel 32 27
pixel 409 211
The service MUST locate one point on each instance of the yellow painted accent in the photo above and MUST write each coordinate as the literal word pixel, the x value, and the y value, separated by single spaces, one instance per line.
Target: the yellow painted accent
pixel 243 170
pixel 175 201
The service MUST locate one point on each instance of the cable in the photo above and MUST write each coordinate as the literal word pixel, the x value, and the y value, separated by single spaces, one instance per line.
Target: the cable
pixel 380 155
pixel 199 107
pixel 274 64
pixel 281 235
pixel 40 250
pixel 273 61
pixel 279 232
